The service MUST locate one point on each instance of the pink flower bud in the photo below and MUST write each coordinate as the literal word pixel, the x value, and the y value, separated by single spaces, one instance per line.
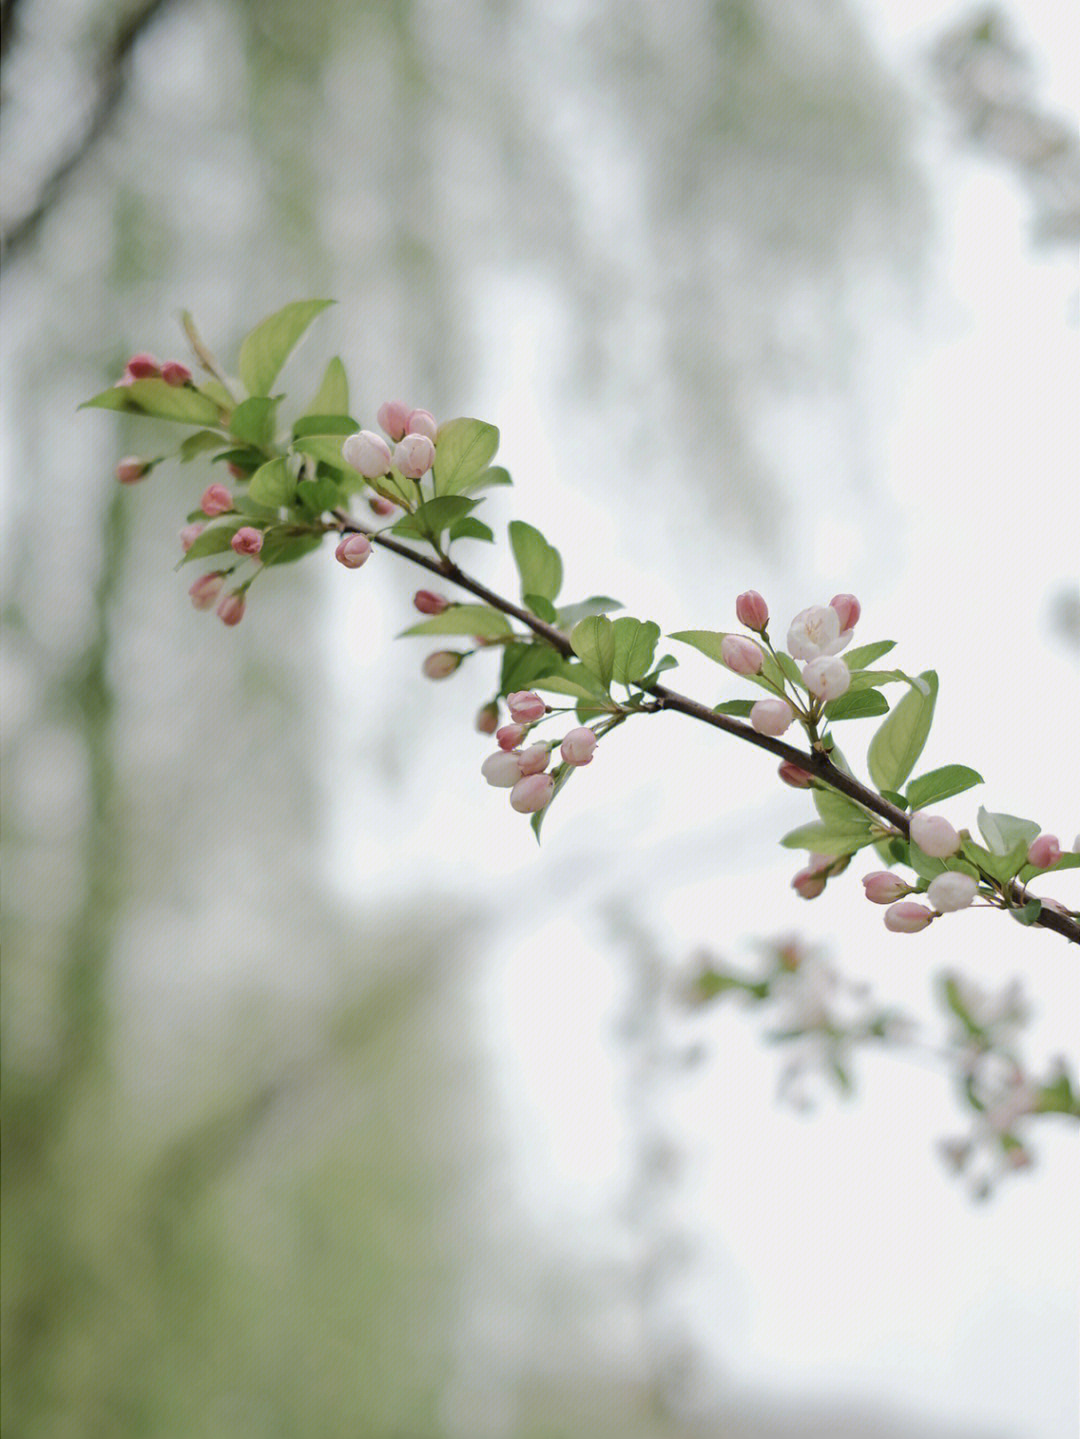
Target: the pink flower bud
pixel 794 776
pixel 502 769
pixel 951 891
pixel 827 677
pixel 526 706
pixel 441 663
pixel 1045 851
pixel 230 608
pixel 579 746
pixel 809 883
pixel 534 759
pixel 174 373
pixel 189 534
pixel 907 917
pixel 143 367
pixel 216 500
pixel 752 611
pixel 353 551
pixel 247 540
pixel 379 505
pixel 487 718
pixel 132 469
pixel 847 609
pixel 238 472
pixel 368 453
pixel 205 590
pixel 422 422
pixel 393 416
pixel 883 887
pixel 414 456
pixel 934 835
pixel 429 603
pixel 771 716
pixel 741 655
pixel 531 793
pixel 511 735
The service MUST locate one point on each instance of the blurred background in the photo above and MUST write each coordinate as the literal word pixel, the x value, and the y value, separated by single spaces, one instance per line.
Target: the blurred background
pixel 331 1105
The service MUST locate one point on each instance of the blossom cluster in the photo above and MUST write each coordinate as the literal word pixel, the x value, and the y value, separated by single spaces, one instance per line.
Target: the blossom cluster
pixel 523 771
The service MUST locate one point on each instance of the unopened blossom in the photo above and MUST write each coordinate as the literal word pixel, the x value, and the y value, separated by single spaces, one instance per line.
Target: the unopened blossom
pixel 809 883
pixel 934 835
pixel 848 610
pixel 414 456
pixel 532 793
pixel 247 540
pixel 752 611
pixel 143 367
pixel 174 373
pixel 907 917
pixel 422 422
pixel 368 454
pixel 189 534
pixel 827 677
pixel 741 655
pixel 579 746
pixel 380 505
pixel 951 891
pixel 429 603
pixel 132 469
pixel 526 706
pixel 216 500
pixel 1045 851
pixel 238 472
pixel 487 718
pixel 794 776
pixel 230 608
pixel 205 590
pixel 441 664
pixel 815 632
pixel 534 759
pixel 353 551
pixel 511 735
pixel 502 769
pixel 884 887
pixel 771 717
pixel 393 416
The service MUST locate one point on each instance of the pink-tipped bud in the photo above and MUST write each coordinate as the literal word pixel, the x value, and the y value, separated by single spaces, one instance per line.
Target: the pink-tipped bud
pixel 827 677
pixel 414 456
pixel 216 500
pixel 907 917
pixel 230 609
pixel 441 664
pixel 794 776
pixel 238 472
pixel 883 887
pixel 367 453
pixel 247 540
pixel 741 655
pixel 951 891
pixel 771 716
pixel 934 835
pixel 189 534
pixel 526 706
pixel 752 611
pixel 353 551
pixel 534 760
pixel 1045 851
pixel 502 769
pixel 130 470
pixel 422 422
pixel 393 416
pixel 379 505
pixel 143 367
pixel 531 793
pixel 205 590
pixel 809 882
pixel 429 603
pixel 511 735
pixel 174 373
pixel 579 746
pixel 848 610
pixel 487 718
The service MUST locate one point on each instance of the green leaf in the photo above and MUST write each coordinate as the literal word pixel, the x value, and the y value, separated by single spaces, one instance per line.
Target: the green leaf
pixel 543 609
pixel 314 424
pixel 469 528
pixel 1003 832
pixel 283 549
pixel 941 784
pixel 164 402
pixel 324 448
pixel 788 668
pixel 635 645
pixel 871 679
pixel 1003 867
pixel 665 662
pixel 593 641
pixel 485 480
pixel 200 441
pixel 1068 860
pixel 253 421
pixel 897 799
pixel 318 495
pixel 269 345
pixel 464 620
pixel 272 484
pixel 863 655
pixel 839 812
pixel 213 541
pixel 538 562
pixel 739 708
pixel 856 704
pixel 463 448
pixel 707 641
pixel 561 773
pixel 828 839
pixel 332 396
pixel 523 663
pixel 563 685
pixel 433 516
pixel 246 459
pixel 899 742
pixel 1028 913
pixel 594 605
pixel 245 505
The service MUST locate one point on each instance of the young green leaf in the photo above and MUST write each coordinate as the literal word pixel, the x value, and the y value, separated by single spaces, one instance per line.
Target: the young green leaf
pixel 635 644
pixel 538 562
pixel 329 424
pixel 1027 913
pixel 564 685
pixel 1003 832
pixel 463 448
pixel 707 641
pixel 212 541
pixel 464 620
pixel 863 655
pixel 788 668
pixel 739 708
pixel 319 495
pixel 485 480
pixel 199 442
pixel 253 421
pixel 593 641
pixel 324 448
pixel 543 609
pixel 283 549
pixel 828 838
pixel 433 516
pixel 332 396
pixel 560 774
pixel 469 528
pixel 941 784
pixel 899 741
pixel 272 484
pixel 857 704
pixel 594 605
pixel 179 403
pixel 523 663
pixel 839 812
pixel 269 345
pixel 1067 861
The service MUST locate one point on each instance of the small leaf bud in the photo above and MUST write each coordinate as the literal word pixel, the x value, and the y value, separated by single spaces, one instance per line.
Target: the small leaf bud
pixel 934 835
pixel 393 416
pixel 1045 851
pixel 422 422
pixel 441 664
pixel 247 540
pixel 884 887
pixel 367 453
pixel 502 769
pixel 353 551
pixel 414 456
pixel 579 746
pixel 827 677
pixel 752 611
pixel 951 891
pixel 907 917
pixel 205 590
pixel 531 793
pixel 230 608
pixel 429 603
pixel 741 655
pixel 174 373
pixel 771 716
pixel 132 469
pixel 216 500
